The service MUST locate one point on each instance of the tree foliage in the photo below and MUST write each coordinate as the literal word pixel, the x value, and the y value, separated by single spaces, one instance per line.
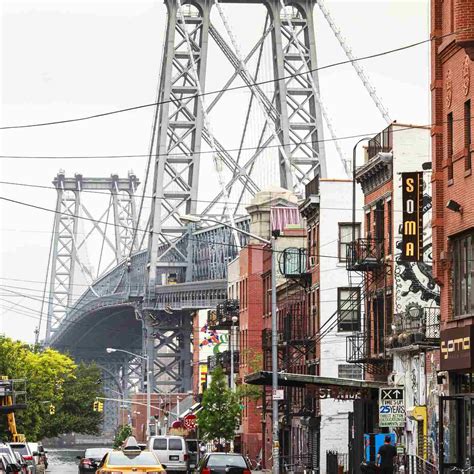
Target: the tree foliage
pixel 220 414
pixel 54 379
pixel 122 434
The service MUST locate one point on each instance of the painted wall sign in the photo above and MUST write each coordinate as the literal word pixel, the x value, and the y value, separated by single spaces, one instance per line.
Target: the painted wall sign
pixel 412 228
pixel 457 349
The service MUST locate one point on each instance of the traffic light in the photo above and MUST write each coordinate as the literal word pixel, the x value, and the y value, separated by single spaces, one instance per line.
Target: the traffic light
pixel 100 407
pixel 96 405
pixel 52 409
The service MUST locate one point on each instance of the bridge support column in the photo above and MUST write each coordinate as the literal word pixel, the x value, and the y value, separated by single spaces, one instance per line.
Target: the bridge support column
pixel 169 341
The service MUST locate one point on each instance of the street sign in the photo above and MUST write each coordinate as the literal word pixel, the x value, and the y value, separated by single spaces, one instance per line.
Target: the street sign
pixel 189 422
pixel 392 408
pixel 278 394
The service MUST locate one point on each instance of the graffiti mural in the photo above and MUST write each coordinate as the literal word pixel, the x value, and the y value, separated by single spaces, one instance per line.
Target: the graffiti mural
pixel 414 282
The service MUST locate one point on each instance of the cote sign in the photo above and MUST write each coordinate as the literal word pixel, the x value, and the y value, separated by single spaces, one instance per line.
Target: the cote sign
pixel 457 350
pixel 392 407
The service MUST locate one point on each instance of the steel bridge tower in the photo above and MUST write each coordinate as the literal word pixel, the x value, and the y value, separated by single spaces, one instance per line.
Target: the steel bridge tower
pixel 293 124
pixel 66 262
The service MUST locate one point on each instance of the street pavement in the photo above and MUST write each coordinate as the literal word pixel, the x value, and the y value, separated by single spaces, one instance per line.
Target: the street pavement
pixel 62 461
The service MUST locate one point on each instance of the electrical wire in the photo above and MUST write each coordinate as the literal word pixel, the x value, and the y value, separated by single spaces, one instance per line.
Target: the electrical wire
pixel 233 88
pixel 402 128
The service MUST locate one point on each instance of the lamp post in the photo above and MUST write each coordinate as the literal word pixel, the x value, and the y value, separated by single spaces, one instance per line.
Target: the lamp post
pixel 354 169
pixel 191 219
pixel 111 350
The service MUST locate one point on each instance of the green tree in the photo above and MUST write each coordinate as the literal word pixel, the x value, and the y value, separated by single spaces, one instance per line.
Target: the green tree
pixel 52 378
pixel 220 414
pixel 74 411
pixel 123 432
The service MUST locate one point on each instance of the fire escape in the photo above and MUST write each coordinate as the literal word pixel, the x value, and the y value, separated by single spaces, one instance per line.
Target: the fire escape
pixel 224 317
pixel 295 349
pixel 366 257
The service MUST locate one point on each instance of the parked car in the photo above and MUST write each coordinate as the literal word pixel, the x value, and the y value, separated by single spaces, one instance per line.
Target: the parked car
pixel 91 459
pixel 171 451
pixel 223 463
pixel 8 454
pixel 39 454
pixel 25 467
pixel 26 453
pixel 9 464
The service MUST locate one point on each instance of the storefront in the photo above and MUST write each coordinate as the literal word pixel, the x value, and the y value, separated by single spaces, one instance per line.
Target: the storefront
pixel 456 443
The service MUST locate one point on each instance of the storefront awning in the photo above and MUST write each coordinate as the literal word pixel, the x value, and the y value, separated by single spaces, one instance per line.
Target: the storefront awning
pixel 303 380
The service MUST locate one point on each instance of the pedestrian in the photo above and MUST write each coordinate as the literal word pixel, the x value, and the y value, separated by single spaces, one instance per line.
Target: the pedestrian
pixel 386 455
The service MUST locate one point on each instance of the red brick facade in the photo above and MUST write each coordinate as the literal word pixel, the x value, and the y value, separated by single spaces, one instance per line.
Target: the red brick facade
pixel 251 290
pixel 452 78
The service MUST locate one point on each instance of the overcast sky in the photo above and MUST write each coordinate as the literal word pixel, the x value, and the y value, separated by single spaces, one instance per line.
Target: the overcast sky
pixel 66 58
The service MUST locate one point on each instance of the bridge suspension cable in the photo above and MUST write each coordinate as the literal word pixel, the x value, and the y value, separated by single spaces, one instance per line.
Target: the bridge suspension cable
pixel 257 93
pixel 345 162
pixel 354 61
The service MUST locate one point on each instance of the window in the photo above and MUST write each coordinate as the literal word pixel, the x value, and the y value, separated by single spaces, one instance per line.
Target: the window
pixel 346 237
pixel 463 274
pixel 450 146
pixel 467 134
pixel 349 371
pixel 160 444
pixel 175 444
pixel 348 309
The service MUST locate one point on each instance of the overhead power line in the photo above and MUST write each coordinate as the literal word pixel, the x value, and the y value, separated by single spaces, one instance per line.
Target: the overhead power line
pixel 205 152
pixel 233 88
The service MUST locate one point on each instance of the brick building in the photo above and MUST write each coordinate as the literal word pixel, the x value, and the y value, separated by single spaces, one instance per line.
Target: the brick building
pixel 269 208
pixel 399 340
pixel 452 55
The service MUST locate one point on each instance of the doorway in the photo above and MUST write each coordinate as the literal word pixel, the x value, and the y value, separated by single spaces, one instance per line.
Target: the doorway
pixel 456 432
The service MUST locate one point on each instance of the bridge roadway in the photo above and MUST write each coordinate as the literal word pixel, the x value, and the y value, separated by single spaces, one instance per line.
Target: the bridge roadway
pixel 110 314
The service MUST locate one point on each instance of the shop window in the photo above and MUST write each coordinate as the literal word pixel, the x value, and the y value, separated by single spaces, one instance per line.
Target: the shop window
pixel 346 236
pixel 463 274
pixel 467 134
pixel 348 309
pixel 450 146
pixel 349 371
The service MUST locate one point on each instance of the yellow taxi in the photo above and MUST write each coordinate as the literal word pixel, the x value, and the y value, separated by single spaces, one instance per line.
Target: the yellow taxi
pixel 130 459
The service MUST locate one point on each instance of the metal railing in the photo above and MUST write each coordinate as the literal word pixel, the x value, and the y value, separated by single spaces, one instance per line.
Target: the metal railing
pixel 364 254
pixel 357 348
pixel 415 465
pixel 382 142
pixel 417 326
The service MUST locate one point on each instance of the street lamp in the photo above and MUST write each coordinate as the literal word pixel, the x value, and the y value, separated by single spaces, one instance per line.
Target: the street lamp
pixel 192 219
pixel 148 372
pixel 354 169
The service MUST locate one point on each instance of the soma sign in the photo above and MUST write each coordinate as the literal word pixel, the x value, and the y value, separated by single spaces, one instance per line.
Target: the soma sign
pixel 412 226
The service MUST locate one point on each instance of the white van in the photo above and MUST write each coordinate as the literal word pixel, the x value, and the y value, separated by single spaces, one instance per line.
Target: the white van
pixel 171 451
